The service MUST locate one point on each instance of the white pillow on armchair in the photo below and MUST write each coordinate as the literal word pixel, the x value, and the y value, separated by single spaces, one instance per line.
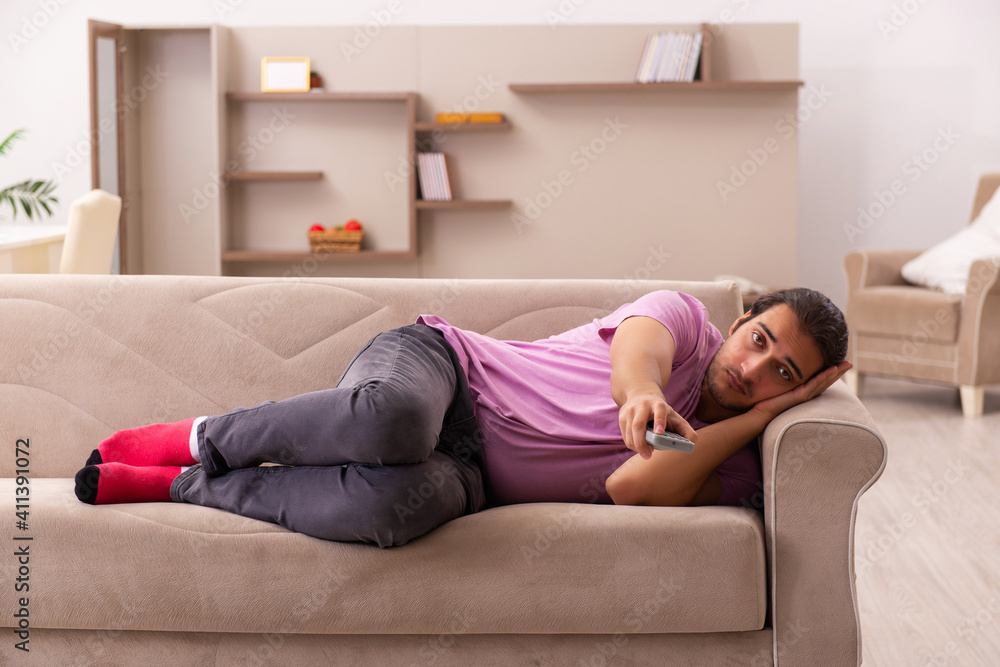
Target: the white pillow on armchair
pixel 946 265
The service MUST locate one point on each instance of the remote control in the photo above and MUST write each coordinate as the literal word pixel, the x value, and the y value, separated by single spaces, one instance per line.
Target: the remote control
pixel 668 440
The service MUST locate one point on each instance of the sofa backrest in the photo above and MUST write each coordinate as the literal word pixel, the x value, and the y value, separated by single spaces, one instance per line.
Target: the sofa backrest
pixel 88 355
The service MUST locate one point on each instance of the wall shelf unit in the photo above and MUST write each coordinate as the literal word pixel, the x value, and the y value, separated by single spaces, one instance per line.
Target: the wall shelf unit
pixel 463 204
pixel 672 87
pixel 231 183
pixel 704 80
pixel 414 132
pixel 237 99
pixel 251 96
pixel 251 256
pixel 275 175
pixel 424 128
pixel 433 128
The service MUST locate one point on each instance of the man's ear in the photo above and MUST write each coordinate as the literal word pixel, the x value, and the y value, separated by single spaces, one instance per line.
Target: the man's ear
pixel 739 322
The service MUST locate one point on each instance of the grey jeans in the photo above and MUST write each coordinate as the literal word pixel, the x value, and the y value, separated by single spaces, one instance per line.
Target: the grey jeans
pixel 389 454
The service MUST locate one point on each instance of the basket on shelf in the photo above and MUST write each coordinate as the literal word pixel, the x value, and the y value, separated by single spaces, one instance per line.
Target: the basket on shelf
pixel 333 240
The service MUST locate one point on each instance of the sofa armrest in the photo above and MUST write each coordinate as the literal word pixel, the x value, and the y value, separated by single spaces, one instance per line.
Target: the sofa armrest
pixel 869 267
pixel 978 342
pixel 817 458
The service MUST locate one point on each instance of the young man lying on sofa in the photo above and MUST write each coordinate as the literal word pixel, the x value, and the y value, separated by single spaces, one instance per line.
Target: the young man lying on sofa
pixel 488 422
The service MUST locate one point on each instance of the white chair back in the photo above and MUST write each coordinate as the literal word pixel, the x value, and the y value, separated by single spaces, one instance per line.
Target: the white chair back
pixel 91 234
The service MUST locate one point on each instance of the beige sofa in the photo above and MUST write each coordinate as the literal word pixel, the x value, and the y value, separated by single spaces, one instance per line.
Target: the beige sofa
pixel 536 584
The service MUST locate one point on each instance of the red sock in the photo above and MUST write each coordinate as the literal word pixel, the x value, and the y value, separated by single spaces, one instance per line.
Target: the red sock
pixel 153 445
pixel 119 483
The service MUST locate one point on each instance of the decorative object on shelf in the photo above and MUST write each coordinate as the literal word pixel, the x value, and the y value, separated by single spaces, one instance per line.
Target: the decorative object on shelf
pixel 670 57
pixel 343 238
pixel 461 118
pixel 316 83
pixel 432 173
pixel 284 75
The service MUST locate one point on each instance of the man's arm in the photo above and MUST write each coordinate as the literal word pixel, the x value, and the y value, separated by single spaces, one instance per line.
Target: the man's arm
pixel 672 478
pixel 642 355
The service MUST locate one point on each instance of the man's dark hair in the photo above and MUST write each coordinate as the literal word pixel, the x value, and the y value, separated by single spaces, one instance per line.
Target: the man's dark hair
pixel 818 317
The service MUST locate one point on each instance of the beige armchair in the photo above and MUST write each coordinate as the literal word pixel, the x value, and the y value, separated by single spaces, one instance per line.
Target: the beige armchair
pixel 903 330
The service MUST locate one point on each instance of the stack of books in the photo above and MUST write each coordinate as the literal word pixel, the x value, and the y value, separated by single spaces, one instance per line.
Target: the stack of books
pixel 432 174
pixel 669 56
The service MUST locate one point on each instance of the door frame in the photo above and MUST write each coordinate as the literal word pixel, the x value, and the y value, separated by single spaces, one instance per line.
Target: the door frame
pixel 96 29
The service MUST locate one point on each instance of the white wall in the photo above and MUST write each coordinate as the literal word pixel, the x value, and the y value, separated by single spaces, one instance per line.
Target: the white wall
pixel 891 80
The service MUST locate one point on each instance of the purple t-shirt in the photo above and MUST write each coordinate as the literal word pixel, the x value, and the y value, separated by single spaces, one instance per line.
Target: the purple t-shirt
pixel 548 421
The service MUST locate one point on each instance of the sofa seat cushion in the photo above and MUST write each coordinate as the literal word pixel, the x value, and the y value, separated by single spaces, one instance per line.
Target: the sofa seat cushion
pixel 546 567
pixel 915 313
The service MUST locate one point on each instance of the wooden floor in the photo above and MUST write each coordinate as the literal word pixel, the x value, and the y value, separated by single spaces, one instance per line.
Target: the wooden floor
pixel 927 549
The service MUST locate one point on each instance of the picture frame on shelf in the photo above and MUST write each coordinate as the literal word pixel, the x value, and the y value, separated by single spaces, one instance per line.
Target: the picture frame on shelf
pixel 284 75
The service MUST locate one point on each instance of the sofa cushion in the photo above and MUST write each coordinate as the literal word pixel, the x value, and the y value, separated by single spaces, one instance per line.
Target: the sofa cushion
pixel 915 313
pixel 567 568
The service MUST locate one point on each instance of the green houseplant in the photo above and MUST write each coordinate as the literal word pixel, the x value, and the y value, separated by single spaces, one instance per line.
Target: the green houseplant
pixel 32 195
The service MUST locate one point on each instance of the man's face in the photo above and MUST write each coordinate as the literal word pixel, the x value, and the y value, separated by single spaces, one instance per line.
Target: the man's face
pixel 762 357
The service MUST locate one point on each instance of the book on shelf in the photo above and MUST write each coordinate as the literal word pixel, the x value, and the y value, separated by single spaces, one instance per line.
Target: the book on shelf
pixel 648 49
pixel 427 191
pixel 432 175
pixel 669 56
pixel 678 66
pixel 693 56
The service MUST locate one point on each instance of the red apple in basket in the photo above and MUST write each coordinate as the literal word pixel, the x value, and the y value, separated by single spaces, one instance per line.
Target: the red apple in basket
pixel 352 226
pixel 317 228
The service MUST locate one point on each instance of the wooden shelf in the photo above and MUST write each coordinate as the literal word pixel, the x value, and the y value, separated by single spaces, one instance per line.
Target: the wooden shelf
pixel 671 87
pixel 296 256
pixel 247 96
pixel 467 204
pixel 275 175
pixel 462 127
pixel 409 99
